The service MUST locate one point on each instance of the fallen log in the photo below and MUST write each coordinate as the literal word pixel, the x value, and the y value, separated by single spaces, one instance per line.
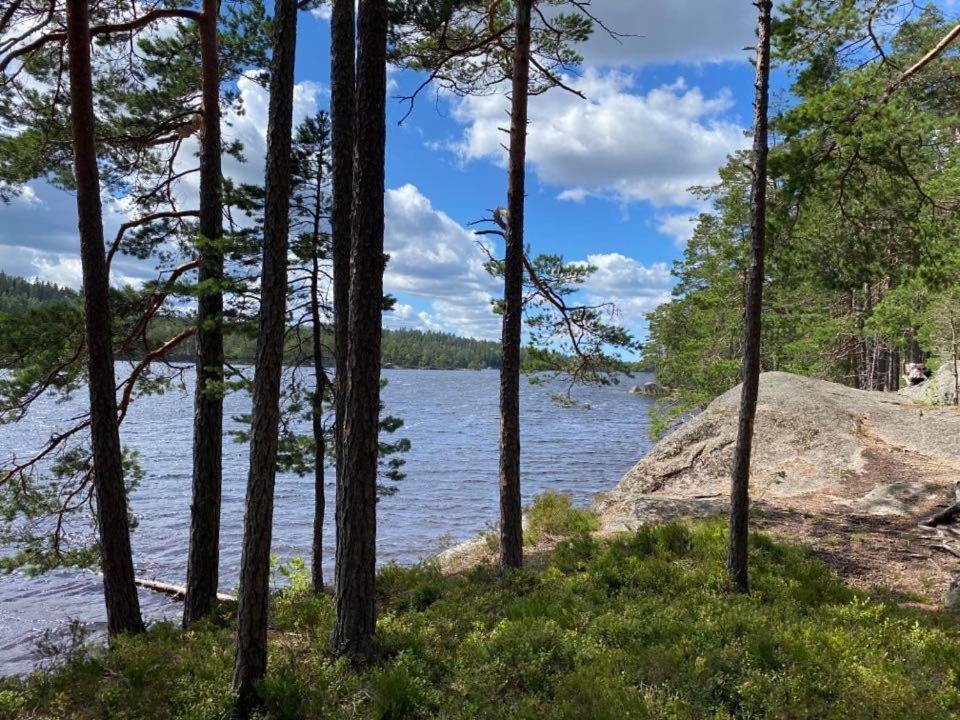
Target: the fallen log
pixel 946 516
pixel 177 592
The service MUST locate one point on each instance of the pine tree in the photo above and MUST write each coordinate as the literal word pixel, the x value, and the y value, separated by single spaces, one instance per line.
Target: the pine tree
pixel 120 592
pixel 511 528
pixel 203 555
pixel 253 597
pixel 356 498
pixel 739 492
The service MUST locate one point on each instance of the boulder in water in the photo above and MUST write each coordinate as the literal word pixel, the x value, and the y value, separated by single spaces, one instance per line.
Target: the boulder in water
pixel 649 389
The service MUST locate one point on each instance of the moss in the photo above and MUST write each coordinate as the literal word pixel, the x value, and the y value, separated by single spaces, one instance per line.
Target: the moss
pixel 643 625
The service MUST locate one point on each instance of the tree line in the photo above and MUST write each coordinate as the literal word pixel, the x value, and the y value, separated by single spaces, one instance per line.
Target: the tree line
pixel 402 347
pixel 17 294
pixel 862 267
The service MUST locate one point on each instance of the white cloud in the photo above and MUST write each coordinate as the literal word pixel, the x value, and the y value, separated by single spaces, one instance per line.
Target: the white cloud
pixel 248 125
pixel 617 144
pixel 322 12
pixel 436 260
pixel 664 31
pixel 679 226
pixel 39 237
pixel 633 287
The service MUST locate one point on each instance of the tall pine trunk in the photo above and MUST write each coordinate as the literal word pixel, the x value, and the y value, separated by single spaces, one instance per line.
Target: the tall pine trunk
pixel 955 344
pixel 511 529
pixel 254 590
pixel 316 412
pixel 357 494
pixel 203 556
pixel 342 122
pixel 740 479
pixel 120 592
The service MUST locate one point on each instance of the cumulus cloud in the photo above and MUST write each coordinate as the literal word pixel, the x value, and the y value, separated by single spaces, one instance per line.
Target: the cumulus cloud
pixel 618 144
pixel 665 31
pixel 438 261
pixel 38 236
pixel 39 239
pixel 678 226
pixel 635 288
pixel 248 125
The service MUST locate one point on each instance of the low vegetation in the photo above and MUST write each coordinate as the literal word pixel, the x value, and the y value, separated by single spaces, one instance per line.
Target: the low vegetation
pixel 642 625
pixel 552 515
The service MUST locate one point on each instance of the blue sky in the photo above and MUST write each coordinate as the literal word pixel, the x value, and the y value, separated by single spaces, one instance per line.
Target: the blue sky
pixel 607 175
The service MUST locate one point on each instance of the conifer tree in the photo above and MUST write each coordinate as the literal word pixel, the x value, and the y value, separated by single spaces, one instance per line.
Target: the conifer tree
pixel 740 492
pixel 253 598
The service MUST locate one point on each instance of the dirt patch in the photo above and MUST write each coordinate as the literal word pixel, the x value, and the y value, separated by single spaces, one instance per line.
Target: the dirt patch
pixel 872 552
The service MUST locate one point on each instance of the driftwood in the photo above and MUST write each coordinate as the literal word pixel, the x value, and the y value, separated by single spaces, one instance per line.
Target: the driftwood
pixel 946 516
pixel 175 591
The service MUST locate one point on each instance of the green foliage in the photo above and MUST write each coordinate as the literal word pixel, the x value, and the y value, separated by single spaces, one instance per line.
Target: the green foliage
pixel 467 45
pixel 861 224
pixel 437 350
pixel 552 515
pixel 17 294
pixel 569 337
pixel 640 626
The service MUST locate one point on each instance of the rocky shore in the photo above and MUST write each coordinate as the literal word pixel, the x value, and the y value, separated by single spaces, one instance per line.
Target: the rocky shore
pixel 849 472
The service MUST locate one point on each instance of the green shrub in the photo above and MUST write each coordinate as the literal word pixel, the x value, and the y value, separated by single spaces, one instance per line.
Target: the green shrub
pixel 643 625
pixel 552 515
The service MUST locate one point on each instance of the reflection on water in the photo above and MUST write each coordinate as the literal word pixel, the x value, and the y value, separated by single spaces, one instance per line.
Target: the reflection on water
pixel 450 492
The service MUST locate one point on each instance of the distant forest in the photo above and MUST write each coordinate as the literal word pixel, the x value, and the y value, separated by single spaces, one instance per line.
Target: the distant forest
pixel 401 348
pixel 18 294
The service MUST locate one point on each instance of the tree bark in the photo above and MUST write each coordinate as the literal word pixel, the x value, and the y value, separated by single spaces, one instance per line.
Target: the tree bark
pixel 120 592
pixel 955 344
pixel 342 122
pixel 357 496
pixel 203 556
pixel 254 590
pixel 740 478
pixel 319 499
pixel 511 529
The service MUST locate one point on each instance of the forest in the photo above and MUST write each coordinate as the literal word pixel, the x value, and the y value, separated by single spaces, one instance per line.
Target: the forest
pixel 862 266
pixel 404 347
pixel 827 250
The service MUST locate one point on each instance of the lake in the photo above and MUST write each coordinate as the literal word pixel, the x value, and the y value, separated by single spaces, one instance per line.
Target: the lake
pixel 450 492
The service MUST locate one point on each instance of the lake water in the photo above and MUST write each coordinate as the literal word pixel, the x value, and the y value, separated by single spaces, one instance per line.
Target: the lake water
pixel 449 495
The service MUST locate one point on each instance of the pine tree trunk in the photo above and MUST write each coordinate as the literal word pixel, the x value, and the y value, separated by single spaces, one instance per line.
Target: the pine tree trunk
pixel 254 589
pixel 357 500
pixel 511 529
pixel 316 413
pixel 120 593
pixel 956 373
pixel 203 556
pixel 342 121
pixel 739 491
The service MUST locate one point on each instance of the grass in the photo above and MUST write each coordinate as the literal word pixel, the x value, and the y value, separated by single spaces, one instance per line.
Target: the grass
pixel 639 626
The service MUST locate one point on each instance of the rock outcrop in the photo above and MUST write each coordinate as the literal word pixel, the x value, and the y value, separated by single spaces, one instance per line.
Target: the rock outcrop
pixel 812 440
pixel 847 471
pixel 940 388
